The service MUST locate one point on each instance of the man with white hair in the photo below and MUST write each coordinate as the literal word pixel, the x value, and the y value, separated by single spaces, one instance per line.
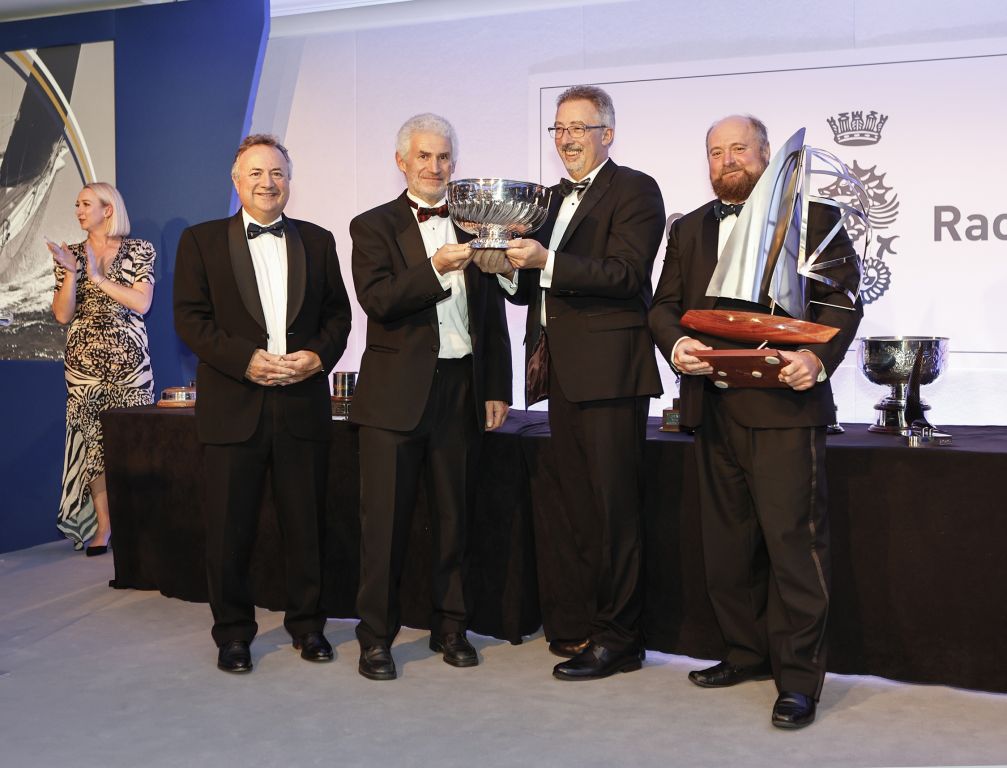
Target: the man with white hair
pixel 435 373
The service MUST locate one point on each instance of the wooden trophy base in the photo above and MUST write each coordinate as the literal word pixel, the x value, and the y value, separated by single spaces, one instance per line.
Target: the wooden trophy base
pixel 733 368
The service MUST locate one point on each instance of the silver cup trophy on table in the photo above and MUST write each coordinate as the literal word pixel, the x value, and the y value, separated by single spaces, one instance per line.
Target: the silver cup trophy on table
pixel 904 363
pixel 497 210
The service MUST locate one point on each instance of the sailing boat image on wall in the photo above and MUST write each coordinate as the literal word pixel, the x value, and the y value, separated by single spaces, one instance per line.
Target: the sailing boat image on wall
pixel 54 102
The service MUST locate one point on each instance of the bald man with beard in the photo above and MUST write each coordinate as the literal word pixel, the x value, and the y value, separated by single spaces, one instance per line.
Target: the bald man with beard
pixel 760 452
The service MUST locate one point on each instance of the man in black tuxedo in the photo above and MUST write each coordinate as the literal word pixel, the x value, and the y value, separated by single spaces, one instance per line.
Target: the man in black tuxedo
pixel 760 452
pixel 260 300
pixel 587 287
pixel 435 373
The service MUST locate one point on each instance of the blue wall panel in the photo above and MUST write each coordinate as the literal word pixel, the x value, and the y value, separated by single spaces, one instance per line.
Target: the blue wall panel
pixel 185 79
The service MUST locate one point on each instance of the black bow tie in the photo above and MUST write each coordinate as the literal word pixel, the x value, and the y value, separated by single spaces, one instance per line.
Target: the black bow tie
pixel 422 214
pixel 722 210
pixel 254 230
pixel 566 187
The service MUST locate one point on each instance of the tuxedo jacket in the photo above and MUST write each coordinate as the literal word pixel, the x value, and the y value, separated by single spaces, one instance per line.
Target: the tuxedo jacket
pixel 689 263
pixel 596 307
pixel 398 290
pixel 219 316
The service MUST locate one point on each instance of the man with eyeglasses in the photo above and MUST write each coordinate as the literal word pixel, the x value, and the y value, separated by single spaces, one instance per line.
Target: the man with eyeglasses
pixel 587 286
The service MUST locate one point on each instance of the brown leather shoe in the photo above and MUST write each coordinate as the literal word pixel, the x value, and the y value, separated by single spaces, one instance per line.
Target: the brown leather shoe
pixel 376 663
pixel 567 649
pixel 457 650
pixel 725 674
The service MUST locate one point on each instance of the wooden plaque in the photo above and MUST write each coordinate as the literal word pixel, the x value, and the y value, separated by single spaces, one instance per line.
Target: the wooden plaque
pixel 733 368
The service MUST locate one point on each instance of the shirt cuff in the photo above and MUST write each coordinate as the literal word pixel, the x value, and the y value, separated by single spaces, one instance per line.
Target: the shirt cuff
pixel 444 280
pixel 822 375
pixel 545 279
pixel 508 285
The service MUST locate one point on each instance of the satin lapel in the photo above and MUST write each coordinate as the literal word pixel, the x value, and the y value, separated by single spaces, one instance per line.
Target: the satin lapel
pixel 297 270
pixel 709 240
pixel 410 242
pixel 408 234
pixel 592 196
pixel 472 272
pixel 544 235
pixel 244 272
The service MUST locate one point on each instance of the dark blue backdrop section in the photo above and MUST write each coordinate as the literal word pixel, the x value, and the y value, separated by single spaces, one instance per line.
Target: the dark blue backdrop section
pixel 185 82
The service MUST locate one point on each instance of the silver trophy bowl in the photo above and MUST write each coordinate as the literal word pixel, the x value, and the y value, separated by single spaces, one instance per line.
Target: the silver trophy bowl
pixel 889 360
pixel 497 210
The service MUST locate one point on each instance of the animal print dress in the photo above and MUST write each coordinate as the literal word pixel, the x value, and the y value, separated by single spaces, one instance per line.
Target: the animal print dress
pixel 107 365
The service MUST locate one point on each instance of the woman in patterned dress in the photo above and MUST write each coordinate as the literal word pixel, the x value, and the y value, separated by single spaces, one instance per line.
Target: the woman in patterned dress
pixel 104 286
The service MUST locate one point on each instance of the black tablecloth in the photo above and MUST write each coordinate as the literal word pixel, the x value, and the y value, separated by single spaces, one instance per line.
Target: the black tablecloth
pixel 919 572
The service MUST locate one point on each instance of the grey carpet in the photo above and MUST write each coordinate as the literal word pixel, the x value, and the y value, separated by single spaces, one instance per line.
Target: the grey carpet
pixel 91 676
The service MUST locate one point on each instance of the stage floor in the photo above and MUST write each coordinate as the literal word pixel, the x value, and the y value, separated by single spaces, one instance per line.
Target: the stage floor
pixel 91 676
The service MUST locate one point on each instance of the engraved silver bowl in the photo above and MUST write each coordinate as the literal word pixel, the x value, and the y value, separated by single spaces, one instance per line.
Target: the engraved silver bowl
pixel 497 210
pixel 889 360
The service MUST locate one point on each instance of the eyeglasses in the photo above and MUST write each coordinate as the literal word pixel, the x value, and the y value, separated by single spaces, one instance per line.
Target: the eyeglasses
pixel 573 131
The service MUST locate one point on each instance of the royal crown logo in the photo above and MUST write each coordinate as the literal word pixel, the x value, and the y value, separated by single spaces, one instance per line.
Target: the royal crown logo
pixel 854 129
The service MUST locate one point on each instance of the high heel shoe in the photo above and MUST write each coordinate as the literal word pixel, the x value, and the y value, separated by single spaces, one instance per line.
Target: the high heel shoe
pixel 99 550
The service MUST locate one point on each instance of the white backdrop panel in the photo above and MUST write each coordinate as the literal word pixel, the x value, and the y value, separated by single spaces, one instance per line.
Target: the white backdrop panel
pixel 932 159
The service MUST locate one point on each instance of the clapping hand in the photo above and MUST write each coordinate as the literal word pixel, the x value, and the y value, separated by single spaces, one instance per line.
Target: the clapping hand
pixel 61 255
pixel 91 264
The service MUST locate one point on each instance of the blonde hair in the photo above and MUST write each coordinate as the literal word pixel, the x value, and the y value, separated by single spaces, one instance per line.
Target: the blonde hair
pixel 118 223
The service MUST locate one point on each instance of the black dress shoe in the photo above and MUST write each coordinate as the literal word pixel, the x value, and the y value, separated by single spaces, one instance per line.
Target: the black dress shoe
pixel 98 550
pixel 457 650
pixel 726 674
pixel 314 647
pixel 597 661
pixel 376 663
pixel 234 657
pixel 793 710
pixel 567 649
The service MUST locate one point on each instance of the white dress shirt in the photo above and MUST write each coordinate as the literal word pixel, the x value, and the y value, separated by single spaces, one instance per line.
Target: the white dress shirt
pixel 452 311
pixel 269 258
pixel 567 209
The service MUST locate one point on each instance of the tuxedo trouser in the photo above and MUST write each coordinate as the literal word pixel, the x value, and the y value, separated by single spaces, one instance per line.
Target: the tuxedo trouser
pixel 597 447
pixel 443 447
pixel 763 501
pixel 235 480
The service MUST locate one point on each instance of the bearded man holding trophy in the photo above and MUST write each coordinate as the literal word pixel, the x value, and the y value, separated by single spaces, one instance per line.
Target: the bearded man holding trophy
pixel 767 261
